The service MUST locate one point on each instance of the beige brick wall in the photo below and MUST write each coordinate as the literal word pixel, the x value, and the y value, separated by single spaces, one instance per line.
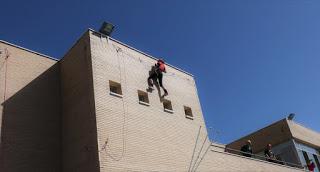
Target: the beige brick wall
pixel 141 138
pixel 79 138
pixel 30 115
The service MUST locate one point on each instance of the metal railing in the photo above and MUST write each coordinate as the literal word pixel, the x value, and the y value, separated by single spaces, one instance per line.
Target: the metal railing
pixel 257 156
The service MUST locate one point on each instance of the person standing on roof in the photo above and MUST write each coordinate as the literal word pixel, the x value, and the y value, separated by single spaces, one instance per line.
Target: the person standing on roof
pixel 311 166
pixel 246 149
pixel 268 153
pixel 157 75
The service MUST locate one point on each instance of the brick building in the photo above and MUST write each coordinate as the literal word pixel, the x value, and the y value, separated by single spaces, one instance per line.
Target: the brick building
pixel 292 142
pixel 90 111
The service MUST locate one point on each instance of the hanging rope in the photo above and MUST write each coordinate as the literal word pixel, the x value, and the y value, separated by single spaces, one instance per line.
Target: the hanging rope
pixel 194 149
pixel 5 65
pixel 195 162
pixel 104 147
pixel 205 153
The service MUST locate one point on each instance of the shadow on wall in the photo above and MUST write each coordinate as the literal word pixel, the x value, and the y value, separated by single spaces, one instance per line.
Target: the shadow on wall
pixel 31 132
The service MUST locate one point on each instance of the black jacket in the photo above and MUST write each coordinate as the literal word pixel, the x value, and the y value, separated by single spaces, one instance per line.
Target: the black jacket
pixel 246 150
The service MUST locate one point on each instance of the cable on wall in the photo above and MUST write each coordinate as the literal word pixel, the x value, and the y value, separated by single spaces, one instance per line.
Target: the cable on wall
pixel 205 153
pixel 198 156
pixel 5 65
pixel 194 149
pixel 124 106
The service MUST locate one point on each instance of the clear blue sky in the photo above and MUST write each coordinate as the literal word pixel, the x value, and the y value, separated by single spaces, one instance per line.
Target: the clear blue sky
pixel 254 61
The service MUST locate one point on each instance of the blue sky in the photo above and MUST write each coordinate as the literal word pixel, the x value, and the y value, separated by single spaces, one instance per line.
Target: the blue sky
pixel 254 61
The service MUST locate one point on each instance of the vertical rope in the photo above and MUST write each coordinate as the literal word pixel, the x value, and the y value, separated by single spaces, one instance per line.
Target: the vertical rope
pixel 5 63
pixel 124 116
pixel 194 149
pixel 202 158
pixel 195 162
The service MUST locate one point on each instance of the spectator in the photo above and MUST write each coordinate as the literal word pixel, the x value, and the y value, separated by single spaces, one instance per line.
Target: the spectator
pixel 311 166
pixel 247 149
pixel 269 154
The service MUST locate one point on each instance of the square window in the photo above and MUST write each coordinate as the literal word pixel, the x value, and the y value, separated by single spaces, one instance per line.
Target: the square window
pixel 115 89
pixel 167 106
pixel 188 112
pixel 143 98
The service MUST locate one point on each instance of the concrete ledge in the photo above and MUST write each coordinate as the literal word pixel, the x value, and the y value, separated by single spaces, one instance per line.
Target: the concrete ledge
pixel 116 95
pixel 168 110
pixel 144 103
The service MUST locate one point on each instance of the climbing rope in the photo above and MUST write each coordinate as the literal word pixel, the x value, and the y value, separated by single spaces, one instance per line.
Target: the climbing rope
pixel 194 149
pixel 195 162
pixel 5 65
pixel 124 106
pixel 205 153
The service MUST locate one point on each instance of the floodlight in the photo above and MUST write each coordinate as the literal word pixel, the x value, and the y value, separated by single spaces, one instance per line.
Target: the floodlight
pixel 106 28
pixel 291 116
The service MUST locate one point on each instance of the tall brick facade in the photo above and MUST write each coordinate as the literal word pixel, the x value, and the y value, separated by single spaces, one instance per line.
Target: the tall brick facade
pixel 64 117
pixel 79 138
pixel 132 136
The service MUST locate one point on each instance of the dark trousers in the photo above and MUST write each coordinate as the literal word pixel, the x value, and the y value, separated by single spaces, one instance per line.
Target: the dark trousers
pixel 155 76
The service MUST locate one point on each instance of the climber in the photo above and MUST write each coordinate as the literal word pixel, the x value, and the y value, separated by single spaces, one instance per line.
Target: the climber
pixel 157 74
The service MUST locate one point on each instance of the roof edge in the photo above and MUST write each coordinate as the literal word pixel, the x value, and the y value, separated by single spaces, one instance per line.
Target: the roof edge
pixel 290 122
pixel 309 128
pixel 260 129
pixel 74 43
pixel 31 51
pixel 148 55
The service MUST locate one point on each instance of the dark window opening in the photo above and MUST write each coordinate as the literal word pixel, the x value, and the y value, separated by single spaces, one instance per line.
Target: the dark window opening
pixel 188 112
pixel 143 97
pixel 167 106
pixel 115 88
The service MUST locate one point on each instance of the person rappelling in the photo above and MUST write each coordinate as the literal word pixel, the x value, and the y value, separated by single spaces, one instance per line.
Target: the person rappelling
pixel 156 75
